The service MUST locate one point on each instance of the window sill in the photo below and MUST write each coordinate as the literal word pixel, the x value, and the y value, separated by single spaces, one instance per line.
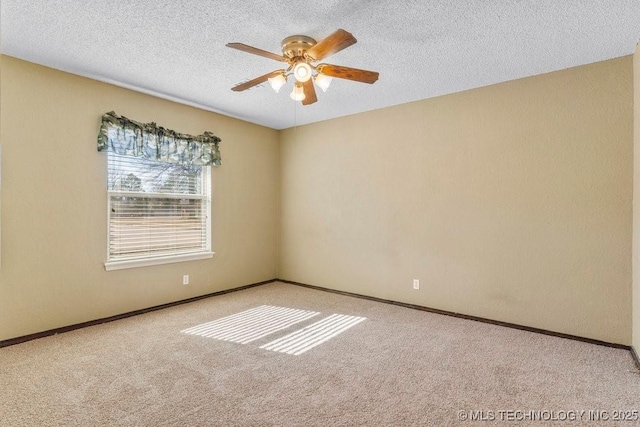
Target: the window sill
pixel 133 263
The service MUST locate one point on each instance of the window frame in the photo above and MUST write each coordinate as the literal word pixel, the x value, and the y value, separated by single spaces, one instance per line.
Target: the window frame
pixel 144 261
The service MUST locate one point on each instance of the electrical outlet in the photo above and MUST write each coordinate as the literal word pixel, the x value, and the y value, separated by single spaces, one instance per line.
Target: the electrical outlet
pixel 416 284
pixel 185 279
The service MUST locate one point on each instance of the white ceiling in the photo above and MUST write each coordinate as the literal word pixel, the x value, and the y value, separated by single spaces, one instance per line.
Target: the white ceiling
pixel 175 49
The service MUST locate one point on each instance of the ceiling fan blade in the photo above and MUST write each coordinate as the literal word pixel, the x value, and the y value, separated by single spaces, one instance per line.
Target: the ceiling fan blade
pixel 250 49
pixel 335 42
pixel 256 81
pixel 309 93
pixel 347 73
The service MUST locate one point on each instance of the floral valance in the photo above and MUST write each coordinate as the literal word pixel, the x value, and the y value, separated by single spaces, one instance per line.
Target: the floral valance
pixel 127 137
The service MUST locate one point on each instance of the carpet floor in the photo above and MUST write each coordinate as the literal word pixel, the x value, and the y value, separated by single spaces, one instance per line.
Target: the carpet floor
pixel 352 362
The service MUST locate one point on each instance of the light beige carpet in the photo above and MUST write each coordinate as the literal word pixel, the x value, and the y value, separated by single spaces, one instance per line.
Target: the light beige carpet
pixel 398 367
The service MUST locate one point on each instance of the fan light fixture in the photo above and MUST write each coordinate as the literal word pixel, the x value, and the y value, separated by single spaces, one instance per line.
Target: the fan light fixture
pixel 323 81
pixel 300 54
pixel 302 72
pixel 298 92
pixel 277 82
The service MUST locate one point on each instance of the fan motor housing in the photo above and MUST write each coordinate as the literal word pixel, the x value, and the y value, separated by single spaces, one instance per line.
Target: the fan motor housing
pixel 296 46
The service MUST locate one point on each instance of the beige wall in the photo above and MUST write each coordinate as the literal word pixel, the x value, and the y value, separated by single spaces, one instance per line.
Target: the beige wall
pixel 54 203
pixel 636 199
pixel 511 202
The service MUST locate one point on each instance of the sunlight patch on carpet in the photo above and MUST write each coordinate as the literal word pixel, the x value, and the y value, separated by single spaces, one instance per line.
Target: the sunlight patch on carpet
pixel 251 325
pixel 313 335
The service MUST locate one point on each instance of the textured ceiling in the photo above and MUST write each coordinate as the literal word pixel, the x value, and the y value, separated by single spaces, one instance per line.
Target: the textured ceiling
pixel 175 49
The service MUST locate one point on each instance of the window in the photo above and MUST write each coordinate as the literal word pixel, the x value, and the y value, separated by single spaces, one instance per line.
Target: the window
pixel 158 212
pixel 159 192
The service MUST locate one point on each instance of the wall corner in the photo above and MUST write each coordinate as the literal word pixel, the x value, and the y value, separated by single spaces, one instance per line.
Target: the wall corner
pixel 635 290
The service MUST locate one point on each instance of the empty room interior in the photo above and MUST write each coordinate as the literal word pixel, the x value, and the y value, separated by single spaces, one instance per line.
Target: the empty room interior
pixel 205 222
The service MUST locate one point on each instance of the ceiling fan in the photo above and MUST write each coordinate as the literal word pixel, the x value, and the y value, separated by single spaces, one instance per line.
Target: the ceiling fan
pixel 300 53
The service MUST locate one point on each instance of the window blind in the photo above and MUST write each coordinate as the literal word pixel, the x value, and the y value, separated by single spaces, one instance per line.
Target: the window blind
pixel 156 209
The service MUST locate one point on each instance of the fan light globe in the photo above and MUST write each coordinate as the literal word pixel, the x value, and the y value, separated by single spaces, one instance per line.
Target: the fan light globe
pixel 302 72
pixel 323 81
pixel 277 82
pixel 298 93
